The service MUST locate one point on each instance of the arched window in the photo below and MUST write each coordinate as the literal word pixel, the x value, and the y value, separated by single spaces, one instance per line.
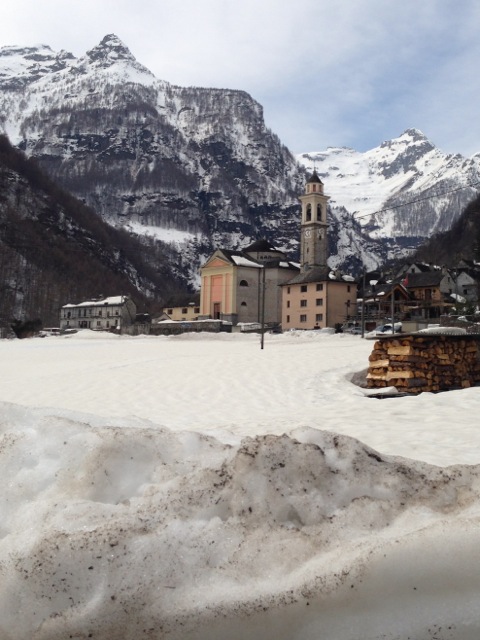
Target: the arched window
pixel 243 304
pixel 243 283
pixel 309 213
pixel 319 211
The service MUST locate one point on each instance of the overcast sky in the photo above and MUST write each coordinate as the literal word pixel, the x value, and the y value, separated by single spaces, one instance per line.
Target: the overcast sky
pixel 327 72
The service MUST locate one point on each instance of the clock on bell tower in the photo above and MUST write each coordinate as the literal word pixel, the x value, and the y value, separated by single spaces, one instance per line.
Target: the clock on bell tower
pixel 313 244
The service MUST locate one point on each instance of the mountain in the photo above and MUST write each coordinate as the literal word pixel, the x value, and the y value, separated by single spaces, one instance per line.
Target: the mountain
pixel 402 192
pixel 55 250
pixel 197 168
pixel 461 241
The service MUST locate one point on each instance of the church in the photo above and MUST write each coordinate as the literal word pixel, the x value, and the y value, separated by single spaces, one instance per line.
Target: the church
pixel 317 297
pixel 259 284
pixel 245 286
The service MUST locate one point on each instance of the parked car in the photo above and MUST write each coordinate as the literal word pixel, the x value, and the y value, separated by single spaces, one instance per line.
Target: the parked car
pixel 355 331
pixel 384 330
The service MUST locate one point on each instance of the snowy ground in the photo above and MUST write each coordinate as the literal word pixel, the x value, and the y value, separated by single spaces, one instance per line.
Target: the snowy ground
pixel 199 487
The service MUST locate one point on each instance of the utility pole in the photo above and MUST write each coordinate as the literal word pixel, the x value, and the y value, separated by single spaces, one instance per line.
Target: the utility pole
pixel 262 312
pixel 363 305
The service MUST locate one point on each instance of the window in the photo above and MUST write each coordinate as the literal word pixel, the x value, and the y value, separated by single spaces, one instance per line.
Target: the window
pixel 309 213
pixel 319 212
pixel 303 303
pixel 288 289
pixel 288 318
pixel 303 288
pixel 348 289
pixel 184 310
pixel 196 310
pixel 169 311
pixel 99 323
pixel 319 302
pixel 320 287
pixel 243 283
pixel 303 317
pixel 319 317
pixel 243 304
pixel 288 304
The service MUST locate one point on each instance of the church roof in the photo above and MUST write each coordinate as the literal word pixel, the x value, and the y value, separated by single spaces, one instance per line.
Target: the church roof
pixel 314 178
pixel 260 245
pixel 244 259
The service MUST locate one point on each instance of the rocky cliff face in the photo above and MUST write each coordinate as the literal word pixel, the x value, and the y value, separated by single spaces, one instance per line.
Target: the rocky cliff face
pixel 197 168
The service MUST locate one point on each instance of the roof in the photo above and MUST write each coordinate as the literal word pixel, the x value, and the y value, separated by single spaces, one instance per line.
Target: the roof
pixel 244 259
pixel 113 301
pixel 426 279
pixel 314 178
pixel 260 245
pixel 316 274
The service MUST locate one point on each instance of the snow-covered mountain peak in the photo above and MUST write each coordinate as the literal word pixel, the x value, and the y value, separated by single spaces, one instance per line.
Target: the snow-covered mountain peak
pixel 113 57
pixel 412 141
pixel 109 51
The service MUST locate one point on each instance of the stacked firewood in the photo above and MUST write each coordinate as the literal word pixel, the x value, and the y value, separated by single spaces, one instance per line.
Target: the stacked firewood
pixel 417 363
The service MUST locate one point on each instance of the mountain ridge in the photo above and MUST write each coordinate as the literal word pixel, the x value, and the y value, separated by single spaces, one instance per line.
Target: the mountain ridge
pixel 198 168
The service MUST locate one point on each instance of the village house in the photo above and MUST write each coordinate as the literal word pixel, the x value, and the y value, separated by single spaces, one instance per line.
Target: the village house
pixel 317 297
pixel 378 304
pixel 430 294
pixel 182 313
pixel 107 314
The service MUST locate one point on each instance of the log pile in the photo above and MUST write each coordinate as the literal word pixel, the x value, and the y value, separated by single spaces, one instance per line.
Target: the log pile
pixel 418 363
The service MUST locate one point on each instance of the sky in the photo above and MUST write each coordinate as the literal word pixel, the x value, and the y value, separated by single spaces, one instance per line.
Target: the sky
pixel 346 73
pixel 197 486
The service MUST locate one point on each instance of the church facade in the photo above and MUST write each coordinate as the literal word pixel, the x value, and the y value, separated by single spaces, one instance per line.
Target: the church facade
pixel 244 286
pixel 317 297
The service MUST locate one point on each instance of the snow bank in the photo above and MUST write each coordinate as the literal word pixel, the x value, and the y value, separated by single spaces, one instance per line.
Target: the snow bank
pixel 116 532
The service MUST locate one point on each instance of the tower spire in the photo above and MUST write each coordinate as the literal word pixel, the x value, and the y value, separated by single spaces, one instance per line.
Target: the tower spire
pixel 314 225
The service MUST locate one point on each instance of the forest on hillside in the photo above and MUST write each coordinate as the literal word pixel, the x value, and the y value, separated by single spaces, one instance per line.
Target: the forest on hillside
pixel 55 250
pixel 462 241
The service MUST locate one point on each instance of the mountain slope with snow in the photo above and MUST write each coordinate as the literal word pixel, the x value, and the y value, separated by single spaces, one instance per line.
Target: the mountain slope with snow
pixel 405 189
pixel 198 168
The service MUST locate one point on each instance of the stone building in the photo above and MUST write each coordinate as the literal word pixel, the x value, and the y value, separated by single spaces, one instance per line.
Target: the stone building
pixel 107 314
pixel 244 286
pixel 317 297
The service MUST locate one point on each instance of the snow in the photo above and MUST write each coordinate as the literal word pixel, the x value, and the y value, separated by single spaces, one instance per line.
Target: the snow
pixel 169 235
pixel 241 261
pixel 198 487
pixel 112 300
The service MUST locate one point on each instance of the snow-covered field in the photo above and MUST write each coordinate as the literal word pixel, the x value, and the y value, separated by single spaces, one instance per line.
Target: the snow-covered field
pixel 198 487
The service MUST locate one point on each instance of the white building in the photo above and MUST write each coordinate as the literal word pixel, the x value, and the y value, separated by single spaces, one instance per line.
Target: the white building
pixel 113 313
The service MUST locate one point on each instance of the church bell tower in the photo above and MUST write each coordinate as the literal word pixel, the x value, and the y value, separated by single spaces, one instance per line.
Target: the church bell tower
pixel 313 245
